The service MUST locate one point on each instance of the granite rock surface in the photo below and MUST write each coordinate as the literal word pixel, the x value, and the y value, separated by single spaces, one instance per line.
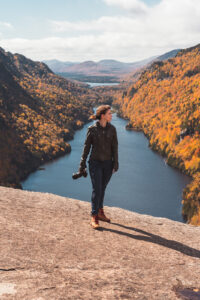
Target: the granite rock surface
pixel 48 250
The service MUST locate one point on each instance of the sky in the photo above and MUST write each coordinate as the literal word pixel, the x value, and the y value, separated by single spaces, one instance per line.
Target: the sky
pixel 81 30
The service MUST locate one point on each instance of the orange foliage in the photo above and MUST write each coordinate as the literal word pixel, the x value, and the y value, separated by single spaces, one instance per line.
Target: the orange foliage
pixel 165 104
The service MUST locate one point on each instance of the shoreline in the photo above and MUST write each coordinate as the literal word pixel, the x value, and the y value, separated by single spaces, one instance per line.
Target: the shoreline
pixel 62 153
pixel 38 163
pixel 153 148
pixel 172 163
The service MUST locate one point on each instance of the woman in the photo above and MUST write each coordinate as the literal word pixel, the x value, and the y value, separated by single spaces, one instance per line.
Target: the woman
pixel 103 161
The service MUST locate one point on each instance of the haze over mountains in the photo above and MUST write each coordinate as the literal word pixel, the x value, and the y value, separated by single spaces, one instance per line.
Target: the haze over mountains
pixel 107 67
pixel 103 67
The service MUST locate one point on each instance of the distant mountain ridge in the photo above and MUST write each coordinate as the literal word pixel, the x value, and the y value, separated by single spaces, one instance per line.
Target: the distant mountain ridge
pixel 103 67
pixel 168 55
pixel 106 67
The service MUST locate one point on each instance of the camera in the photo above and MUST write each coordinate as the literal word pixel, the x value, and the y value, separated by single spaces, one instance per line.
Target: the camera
pixel 79 174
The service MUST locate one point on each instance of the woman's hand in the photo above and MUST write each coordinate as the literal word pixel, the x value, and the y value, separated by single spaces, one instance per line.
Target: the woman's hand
pixel 113 171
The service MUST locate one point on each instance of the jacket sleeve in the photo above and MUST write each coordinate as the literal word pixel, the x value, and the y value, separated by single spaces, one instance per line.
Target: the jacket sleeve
pixel 115 150
pixel 86 150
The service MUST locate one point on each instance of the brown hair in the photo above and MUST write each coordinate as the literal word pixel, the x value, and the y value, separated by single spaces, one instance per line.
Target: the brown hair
pixel 102 109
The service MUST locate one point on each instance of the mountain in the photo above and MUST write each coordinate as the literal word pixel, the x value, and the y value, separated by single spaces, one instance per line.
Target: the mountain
pixel 57 65
pixel 132 77
pixel 91 68
pixel 164 103
pixel 168 55
pixel 108 68
pixel 39 113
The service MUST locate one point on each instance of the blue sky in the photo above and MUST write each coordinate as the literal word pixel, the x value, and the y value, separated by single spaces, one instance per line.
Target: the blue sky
pixel 78 30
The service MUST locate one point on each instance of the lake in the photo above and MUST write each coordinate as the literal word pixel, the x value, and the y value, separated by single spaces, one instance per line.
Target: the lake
pixel 94 84
pixel 144 183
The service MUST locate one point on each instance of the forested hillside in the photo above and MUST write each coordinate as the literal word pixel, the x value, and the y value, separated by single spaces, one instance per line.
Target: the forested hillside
pixel 165 104
pixel 39 112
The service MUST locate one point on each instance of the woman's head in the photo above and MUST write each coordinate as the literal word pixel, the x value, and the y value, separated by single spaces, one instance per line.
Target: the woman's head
pixel 102 112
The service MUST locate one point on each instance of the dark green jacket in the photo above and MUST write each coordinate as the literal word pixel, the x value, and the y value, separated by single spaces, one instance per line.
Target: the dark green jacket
pixel 104 144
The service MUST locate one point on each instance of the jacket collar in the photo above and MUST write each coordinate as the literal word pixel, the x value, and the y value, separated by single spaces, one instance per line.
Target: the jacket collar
pixel 99 125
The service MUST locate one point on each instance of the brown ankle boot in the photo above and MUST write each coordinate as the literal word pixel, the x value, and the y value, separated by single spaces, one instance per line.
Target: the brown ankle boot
pixel 102 217
pixel 94 222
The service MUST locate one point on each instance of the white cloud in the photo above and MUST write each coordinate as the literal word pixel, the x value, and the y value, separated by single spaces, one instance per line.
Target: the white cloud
pixel 103 24
pixel 65 26
pixel 6 25
pixel 168 25
pixel 133 5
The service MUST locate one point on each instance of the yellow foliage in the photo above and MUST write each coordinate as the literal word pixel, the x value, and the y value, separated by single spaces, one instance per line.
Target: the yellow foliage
pixel 165 103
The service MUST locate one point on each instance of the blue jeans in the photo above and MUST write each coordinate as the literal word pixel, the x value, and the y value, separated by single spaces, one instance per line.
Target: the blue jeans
pixel 100 173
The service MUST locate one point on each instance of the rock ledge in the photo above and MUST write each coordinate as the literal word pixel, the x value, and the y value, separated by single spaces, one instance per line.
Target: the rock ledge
pixel 49 251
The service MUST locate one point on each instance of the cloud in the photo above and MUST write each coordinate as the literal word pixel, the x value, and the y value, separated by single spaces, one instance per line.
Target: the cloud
pixel 65 26
pixel 6 25
pixel 103 24
pixel 168 25
pixel 135 6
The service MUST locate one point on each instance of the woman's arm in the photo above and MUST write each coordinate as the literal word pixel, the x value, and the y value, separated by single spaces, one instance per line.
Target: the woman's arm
pixel 115 150
pixel 86 150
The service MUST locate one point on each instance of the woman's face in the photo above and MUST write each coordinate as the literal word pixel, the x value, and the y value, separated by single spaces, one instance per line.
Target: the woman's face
pixel 107 116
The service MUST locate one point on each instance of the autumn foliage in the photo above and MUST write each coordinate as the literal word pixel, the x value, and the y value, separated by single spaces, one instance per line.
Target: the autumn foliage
pixel 165 104
pixel 39 112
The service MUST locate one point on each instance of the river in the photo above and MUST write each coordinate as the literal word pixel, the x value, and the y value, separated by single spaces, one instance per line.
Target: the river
pixel 144 183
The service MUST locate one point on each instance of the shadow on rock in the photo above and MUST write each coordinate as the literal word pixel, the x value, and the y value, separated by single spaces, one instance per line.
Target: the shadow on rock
pixel 153 238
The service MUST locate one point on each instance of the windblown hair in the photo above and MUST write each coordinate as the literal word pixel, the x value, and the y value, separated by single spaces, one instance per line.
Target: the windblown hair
pixel 102 109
